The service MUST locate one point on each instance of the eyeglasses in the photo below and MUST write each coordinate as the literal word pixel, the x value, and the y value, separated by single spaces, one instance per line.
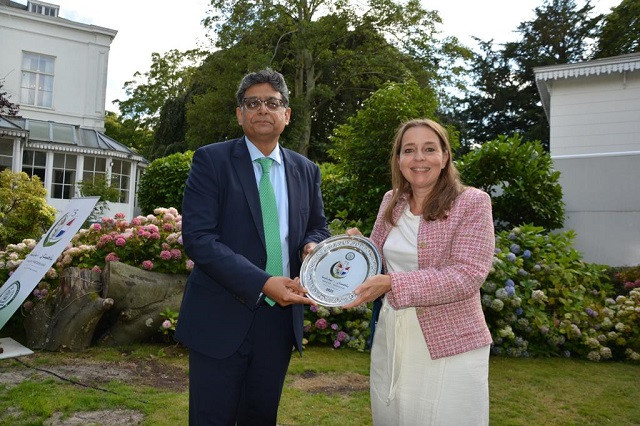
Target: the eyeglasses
pixel 271 104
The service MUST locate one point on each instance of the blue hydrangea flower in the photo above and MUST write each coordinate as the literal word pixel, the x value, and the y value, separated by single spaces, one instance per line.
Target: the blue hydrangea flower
pixel 509 283
pixel 497 250
pixel 522 272
pixel 512 236
pixel 537 267
pixel 526 254
pixel 511 257
pixel 514 248
pixel 510 290
pixel 519 311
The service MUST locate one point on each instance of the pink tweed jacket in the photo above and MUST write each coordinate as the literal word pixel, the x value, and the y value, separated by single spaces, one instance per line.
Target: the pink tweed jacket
pixel 454 257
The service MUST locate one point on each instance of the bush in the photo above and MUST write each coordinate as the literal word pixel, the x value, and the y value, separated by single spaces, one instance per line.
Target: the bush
pixel 24 212
pixel 540 298
pixel 163 182
pixel 361 174
pixel 520 178
pixel 337 326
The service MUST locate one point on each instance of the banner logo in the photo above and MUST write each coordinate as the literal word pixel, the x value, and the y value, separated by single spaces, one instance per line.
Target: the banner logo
pixel 9 294
pixel 60 228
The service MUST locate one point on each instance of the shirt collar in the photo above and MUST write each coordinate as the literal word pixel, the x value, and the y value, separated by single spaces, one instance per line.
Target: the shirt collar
pixel 255 153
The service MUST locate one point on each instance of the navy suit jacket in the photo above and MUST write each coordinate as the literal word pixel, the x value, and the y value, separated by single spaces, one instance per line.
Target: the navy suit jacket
pixel 223 234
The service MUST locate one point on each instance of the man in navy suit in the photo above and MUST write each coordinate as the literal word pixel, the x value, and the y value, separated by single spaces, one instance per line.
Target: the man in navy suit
pixel 240 345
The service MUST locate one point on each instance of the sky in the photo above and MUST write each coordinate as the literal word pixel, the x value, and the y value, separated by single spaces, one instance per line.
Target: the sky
pixel 147 26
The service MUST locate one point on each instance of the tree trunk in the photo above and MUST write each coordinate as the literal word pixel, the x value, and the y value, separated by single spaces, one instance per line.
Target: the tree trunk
pixel 68 319
pixel 139 298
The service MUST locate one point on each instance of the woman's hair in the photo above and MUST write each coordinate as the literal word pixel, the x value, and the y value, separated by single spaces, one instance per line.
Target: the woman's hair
pixel 447 187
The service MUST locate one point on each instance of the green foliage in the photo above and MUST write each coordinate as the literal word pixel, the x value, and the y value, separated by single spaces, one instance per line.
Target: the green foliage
pixel 338 326
pixel 333 54
pixel 24 212
pixel 620 32
pixel 362 147
pixel 98 187
pixel 520 178
pixel 506 99
pixel 163 182
pixel 128 132
pixel 540 298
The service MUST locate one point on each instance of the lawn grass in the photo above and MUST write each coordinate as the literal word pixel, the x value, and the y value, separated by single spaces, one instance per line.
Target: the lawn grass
pixel 549 391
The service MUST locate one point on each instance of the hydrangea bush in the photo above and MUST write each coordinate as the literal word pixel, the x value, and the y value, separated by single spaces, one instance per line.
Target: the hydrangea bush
pixel 540 298
pixel 337 326
pixel 152 242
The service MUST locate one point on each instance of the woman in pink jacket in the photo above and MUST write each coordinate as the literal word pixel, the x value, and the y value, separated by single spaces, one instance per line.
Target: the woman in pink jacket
pixel 430 353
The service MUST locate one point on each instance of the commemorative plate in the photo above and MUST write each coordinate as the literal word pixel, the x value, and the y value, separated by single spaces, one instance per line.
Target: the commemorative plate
pixel 338 265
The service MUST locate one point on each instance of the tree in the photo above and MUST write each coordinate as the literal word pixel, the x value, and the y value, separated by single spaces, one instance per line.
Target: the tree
pixel 7 107
pixel 333 51
pixel 620 32
pixel 362 147
pixel 128 132
pixel 24 212
pixel 560 33
pixel 520 178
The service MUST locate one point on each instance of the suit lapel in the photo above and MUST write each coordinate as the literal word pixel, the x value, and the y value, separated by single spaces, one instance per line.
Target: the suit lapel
pixel 241 162
pixel 294 189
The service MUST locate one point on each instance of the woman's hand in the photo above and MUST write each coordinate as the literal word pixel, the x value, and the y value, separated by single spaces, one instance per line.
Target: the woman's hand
pixel 371 289
pixel 353 232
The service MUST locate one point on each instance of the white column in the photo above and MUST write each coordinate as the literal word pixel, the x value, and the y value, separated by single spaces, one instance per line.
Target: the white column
pixel 133 174
pixel 16 163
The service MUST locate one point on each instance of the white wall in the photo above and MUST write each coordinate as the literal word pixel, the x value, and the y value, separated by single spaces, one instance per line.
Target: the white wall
pixel 602 203
pixel 595 114
pixel 80 69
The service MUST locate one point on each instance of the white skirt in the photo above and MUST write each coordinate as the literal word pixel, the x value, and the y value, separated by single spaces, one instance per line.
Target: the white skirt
pixel 409 388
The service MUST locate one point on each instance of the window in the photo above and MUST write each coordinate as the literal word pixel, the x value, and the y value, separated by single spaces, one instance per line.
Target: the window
pixel 37 80
pixel 94 168
pixel 34 163
pixel 64 176
pixel 49 10
pixel 6 154
pixel 120 171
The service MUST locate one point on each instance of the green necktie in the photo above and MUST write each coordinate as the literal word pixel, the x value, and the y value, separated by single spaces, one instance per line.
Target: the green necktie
pixel 270 221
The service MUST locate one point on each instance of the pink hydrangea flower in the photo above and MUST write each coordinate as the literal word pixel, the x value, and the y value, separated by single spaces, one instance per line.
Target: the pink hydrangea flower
pixel 111 257
pixel 136 221
pixel 176 254
pixel 166 324
pixel 96 226
pixel 336 344
pixel 189 264
pixel 96 268
pixel 147 264
pixel 120 241
pixel 119 215
pixel 165 255
pixel 321 324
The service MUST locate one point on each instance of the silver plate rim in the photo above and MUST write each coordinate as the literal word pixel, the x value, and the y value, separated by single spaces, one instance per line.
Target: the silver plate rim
pixel 341 241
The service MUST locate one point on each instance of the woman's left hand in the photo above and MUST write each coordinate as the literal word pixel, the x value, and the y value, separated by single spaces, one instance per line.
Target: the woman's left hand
pixel 371 289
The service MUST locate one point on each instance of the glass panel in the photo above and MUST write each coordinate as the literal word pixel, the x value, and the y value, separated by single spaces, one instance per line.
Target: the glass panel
pixel 58 162
pixel 89 163
pixel 39 173
pixel 125 168
pixel 116 167
pixel 40 158
pixel 6 148
pixel 63 133
pixel 124 196
pixel 124 182
pixel 27 158
pixel 101 164
pixel 47 83
pixel 39 130
pixel 5 163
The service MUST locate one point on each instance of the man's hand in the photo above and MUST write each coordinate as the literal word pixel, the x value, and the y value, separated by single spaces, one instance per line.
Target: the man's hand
pixel 371 289
pixel 285 291
pixel 307 249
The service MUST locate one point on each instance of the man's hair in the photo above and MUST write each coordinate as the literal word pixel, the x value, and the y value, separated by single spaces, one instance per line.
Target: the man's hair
pixel 267 75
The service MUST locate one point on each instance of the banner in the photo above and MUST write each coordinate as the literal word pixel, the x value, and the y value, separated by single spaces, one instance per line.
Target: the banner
pixel 27 276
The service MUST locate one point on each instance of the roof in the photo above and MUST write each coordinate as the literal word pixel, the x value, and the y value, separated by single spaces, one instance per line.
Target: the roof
pixel 22 10
pixel 615 64
pixel 54 136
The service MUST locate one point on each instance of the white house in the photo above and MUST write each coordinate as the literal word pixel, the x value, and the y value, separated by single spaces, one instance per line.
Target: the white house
pixel 593 110
pixel 56 71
